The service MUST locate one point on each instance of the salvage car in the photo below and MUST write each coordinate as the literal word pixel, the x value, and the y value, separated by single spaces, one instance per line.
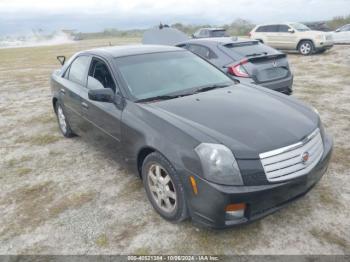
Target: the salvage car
pixel 206 147
pixel 293 36
pixel 248 61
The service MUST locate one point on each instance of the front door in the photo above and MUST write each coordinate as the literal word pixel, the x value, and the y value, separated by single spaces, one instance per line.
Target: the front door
pixel 71 89
pixel 102 118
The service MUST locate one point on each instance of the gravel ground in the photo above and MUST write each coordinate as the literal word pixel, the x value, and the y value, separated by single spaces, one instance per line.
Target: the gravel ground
pixel 69 196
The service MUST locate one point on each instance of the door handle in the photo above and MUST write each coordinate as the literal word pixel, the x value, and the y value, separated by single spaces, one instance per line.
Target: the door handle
pixel 62 91
pixel 85 105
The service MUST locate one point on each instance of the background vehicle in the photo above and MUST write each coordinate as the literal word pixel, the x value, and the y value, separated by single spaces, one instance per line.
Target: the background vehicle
pixel 210 32
pixel 293 36
pixel 246 61
pixel 342 35
pixel 187 129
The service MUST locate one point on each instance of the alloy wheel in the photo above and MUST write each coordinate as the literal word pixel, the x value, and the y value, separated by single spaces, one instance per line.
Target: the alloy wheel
pixel 162 188
pixel 61 119
pixel 305 48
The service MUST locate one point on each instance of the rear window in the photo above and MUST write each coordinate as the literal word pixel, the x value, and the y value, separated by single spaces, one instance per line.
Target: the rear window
pixel 252 48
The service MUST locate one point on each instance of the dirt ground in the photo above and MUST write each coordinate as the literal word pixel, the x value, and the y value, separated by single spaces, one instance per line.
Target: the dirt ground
pixel 69 196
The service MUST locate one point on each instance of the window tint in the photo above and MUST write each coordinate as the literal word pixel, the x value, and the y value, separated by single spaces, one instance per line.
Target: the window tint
pixel 77 71
pixel 261 29
pixel 272 28
pixel 250 48
pixel 267 28
pixel 100 72
pixel 201 51
pixel 167 73
pixel 283 28
pixel 218 33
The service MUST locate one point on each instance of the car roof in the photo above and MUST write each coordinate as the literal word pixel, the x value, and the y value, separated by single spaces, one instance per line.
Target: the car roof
pixel 128 50
pixel 217 40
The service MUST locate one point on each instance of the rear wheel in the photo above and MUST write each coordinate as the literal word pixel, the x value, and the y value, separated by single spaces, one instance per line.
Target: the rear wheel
pixel 164 188
pixel 306 47
pixel 62 121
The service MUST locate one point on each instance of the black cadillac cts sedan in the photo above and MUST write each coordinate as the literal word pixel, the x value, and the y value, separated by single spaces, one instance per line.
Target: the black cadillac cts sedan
pixel 205 147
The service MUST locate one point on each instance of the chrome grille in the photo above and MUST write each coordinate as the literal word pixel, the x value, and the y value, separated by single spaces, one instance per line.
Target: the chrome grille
pixel 287 162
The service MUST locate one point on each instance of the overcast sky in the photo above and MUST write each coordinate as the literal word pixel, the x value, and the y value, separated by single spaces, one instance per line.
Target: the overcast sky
pixel 18 16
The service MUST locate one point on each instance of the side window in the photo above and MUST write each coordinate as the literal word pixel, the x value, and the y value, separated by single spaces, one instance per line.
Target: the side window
pixel 78 69
pixel 272 28
pixel 260 29
pixel 283 28
pixel 100 72
pixel 201 51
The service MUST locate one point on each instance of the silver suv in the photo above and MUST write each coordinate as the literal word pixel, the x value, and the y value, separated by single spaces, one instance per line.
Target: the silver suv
pixel 293 36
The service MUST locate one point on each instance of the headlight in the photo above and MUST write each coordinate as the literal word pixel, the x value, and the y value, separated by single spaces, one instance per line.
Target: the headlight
pixel 218 164
pixel 321 37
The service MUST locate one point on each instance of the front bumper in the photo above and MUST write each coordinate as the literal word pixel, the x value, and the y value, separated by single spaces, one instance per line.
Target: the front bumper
pixel 208 206
pixel 324 45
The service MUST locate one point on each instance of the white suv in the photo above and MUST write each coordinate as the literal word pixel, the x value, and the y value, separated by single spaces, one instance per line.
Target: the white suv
pixel 293 36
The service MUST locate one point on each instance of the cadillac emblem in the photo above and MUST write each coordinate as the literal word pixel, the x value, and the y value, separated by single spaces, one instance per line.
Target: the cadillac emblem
pixel 305 157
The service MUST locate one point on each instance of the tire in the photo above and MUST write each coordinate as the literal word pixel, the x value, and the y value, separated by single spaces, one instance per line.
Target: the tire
pixel 306 47
pixel 63 121
pixel 165 192
pixel 321 51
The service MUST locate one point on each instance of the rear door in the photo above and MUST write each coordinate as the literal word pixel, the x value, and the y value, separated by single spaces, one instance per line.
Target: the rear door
pixel 103 119
pixel 73 86
pixel 272 35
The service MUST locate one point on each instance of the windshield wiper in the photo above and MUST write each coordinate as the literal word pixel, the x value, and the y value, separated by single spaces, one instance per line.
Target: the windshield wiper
pixel 210 87
pixel 163 97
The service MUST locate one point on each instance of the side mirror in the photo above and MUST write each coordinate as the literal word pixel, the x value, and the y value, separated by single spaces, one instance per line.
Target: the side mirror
pixel 93 83
pixel 61 59
pixel 193 36
pixel 290 30
pixel 102 95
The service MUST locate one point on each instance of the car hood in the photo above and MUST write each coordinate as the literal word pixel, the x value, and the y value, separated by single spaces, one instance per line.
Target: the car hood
pixel 246 119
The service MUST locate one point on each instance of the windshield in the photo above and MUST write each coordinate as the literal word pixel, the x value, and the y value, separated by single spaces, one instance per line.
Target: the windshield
pixel 300 27
pixel 167 73
pixel 218 33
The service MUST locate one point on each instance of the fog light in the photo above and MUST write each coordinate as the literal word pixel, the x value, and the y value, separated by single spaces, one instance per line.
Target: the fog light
pixel 235 211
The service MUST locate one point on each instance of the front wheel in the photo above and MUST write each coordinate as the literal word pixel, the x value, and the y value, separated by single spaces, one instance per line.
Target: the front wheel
pixel 164 188
pixel 306 47
pixel 62 121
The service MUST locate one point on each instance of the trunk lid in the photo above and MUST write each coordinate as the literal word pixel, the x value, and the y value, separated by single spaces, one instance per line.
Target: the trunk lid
pixel 263 63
